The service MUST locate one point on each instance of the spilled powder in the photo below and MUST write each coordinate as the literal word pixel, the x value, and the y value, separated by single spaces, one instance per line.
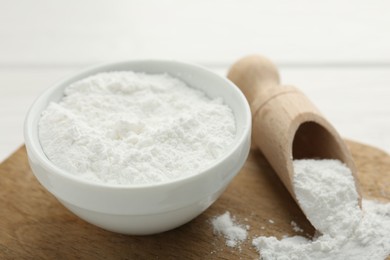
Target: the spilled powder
pixel 327 194
pixel 370 240
pixel 234 233
pixel 295 227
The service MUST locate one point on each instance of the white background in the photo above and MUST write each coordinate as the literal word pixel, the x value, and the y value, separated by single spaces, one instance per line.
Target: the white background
pixel 337 52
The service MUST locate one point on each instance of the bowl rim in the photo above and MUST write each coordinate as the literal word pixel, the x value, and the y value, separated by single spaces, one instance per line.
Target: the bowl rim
pixel 33 144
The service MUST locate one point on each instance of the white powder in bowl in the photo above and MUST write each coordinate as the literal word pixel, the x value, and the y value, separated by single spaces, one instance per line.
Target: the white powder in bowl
pixel 135 128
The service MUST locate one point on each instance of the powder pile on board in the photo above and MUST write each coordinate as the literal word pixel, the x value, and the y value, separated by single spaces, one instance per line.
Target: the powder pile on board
pixel 326 193
pixel 234 233
pixel 135 128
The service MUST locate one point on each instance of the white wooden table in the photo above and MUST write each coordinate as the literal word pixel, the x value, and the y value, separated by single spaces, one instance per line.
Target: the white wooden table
pixel 337 52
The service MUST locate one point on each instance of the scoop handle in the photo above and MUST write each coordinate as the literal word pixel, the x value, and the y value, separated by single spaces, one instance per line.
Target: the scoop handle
pixel 258 79
pixel 286 124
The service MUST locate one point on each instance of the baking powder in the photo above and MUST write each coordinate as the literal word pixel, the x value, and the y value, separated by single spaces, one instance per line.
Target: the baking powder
pixel 326 193
pixel 234 233
pixel 135 128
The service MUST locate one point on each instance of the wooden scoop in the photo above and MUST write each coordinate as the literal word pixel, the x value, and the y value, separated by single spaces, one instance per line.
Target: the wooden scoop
pixel 285 124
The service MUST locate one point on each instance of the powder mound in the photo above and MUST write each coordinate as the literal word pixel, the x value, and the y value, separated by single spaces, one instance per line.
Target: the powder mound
pixel 369 241
pixel 326 193
pixel 135 128
pixel 233 233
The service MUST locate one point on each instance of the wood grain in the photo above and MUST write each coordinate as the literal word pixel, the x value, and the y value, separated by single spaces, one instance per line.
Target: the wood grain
pixel 33 224
pixel 285 123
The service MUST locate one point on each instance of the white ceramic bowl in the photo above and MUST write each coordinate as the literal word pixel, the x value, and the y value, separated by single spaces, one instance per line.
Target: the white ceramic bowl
pixel 153 208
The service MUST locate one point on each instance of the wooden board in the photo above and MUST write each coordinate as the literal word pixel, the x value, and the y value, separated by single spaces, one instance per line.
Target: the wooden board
pixel 33 224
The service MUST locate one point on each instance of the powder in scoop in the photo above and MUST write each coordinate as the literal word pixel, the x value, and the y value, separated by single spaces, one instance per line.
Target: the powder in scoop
pixel 326 193
pixel 233 232
pixel 135 128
